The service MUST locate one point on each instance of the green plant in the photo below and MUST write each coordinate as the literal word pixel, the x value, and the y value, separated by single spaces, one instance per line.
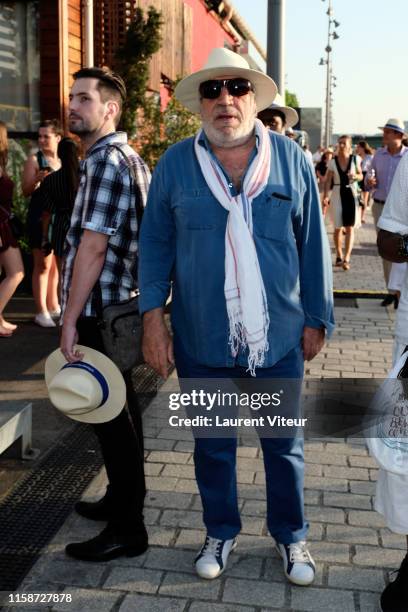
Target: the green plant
pixel 291 99
pixel 143 39
pixel 142 116
pixel 18 151
pixel 161 129
pixel 179 122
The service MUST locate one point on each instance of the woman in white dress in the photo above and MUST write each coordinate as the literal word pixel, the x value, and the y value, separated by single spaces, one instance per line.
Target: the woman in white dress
pixel 344 172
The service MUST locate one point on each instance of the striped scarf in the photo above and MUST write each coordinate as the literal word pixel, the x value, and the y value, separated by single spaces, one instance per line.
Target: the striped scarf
pixel 244 288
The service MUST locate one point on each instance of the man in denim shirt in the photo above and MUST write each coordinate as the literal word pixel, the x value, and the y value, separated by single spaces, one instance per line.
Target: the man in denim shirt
pixel 233 226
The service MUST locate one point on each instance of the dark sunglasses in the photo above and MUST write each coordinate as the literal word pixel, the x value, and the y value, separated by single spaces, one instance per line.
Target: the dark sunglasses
pixel 211 90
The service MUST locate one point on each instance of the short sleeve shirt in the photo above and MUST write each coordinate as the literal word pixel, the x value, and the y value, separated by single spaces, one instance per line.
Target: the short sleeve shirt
pixel 106 203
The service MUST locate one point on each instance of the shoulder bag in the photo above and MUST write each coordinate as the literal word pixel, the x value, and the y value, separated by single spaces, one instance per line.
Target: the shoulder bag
pixel 121 323
pixel 121 330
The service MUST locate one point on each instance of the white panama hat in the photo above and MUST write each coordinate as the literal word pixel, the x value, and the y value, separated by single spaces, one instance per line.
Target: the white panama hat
pixel 394 124
pixel 91 391
pixel 291 116
pixel 220 63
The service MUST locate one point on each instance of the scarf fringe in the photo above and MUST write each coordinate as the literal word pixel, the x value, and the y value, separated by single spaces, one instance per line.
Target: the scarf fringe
pixel 237 335
pixel 238 339
pixel 256 359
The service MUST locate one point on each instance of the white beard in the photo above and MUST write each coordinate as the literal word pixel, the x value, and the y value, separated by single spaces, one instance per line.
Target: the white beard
pixel 237 136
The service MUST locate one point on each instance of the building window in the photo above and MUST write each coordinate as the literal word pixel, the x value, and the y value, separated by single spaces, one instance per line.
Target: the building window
pixel 19 65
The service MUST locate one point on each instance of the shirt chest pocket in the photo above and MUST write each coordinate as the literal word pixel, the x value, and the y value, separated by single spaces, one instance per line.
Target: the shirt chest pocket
pixel 197 209
pixel 272 218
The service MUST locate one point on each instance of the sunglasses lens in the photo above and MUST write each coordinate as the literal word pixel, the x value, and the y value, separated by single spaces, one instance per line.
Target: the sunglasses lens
pixel 236 87
pixel 210 89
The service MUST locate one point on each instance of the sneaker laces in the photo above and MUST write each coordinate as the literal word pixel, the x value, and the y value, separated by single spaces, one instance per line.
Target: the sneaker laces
pixel 211 546
pixel 298 553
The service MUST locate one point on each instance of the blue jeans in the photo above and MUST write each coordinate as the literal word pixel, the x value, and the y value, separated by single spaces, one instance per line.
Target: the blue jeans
pixel 215 463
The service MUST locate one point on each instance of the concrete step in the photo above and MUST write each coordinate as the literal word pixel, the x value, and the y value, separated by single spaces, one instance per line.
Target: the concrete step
pixel 15 424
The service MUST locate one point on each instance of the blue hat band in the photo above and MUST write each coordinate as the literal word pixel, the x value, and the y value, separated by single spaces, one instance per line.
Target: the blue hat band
pixel 83 365
pixel 397 128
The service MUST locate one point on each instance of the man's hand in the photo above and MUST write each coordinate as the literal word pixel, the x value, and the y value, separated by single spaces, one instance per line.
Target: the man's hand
pixel 312 342
pixel 69 337
pixel 157 343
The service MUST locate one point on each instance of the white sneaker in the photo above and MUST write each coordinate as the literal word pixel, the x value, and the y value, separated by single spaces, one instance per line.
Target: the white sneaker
pixel 55 314
pixel 44 319
pixel 298 564
pixel 211 561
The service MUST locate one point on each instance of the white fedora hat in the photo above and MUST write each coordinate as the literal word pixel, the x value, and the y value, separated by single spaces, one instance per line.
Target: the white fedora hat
pixel 220 63
pixel 291 116
pixel 91 391
pixel 394 124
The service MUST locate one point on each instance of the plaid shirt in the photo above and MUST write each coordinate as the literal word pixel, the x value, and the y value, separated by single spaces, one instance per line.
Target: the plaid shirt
pixel 106 203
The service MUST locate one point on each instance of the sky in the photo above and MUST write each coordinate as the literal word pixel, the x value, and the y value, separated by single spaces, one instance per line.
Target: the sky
pixel 369 59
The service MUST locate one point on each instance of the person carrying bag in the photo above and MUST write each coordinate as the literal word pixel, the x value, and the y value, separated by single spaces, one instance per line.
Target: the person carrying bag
pixel 102 251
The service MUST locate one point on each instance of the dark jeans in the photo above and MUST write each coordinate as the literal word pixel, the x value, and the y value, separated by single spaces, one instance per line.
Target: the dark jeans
pixel 215 461
pixel 121 441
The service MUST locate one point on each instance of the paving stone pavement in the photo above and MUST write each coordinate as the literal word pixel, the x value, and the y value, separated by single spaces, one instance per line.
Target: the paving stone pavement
pixel 353 550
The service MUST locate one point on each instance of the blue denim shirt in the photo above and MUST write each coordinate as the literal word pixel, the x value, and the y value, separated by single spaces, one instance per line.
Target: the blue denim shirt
pixel 182 246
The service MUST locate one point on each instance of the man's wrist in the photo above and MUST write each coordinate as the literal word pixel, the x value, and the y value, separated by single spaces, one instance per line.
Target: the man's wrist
pixel 156 314
pixel 69 319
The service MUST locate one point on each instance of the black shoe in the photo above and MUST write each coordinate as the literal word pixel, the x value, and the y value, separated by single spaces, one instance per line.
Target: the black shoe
pixel 109 545
pixel 96 511
pixel 394 598
pixel 396 302
pixel 388 300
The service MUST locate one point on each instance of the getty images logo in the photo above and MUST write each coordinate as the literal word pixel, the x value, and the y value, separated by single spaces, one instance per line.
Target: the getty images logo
pixel 207 401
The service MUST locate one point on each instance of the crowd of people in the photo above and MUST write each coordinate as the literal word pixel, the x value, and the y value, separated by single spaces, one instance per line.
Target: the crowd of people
pixel 238 238
pixel 346 177
pixel 49 181
pixel 352 180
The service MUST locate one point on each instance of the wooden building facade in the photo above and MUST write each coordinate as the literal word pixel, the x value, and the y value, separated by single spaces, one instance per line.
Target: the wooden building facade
pixel 42 43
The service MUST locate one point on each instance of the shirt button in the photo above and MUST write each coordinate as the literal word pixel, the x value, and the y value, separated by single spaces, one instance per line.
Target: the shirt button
pixel 230 185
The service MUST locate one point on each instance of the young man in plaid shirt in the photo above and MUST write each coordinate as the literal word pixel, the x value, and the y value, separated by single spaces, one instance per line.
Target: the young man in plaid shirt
pixel 102 246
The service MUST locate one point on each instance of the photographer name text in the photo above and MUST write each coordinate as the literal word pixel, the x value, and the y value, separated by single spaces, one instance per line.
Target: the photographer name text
pixel 217 421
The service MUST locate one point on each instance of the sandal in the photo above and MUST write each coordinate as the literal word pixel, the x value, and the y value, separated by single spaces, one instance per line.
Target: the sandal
pixel 346 265
pixel 339 262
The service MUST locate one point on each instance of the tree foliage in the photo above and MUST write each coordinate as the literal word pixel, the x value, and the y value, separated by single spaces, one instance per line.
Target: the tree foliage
pixel 142 116
pixel 143 39
pixel 161 129
pixel 291 99
pixel 18 152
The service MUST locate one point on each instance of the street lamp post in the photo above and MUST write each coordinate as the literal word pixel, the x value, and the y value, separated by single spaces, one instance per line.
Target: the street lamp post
pixel 331 35
pixel 328 68
pixel 333 83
